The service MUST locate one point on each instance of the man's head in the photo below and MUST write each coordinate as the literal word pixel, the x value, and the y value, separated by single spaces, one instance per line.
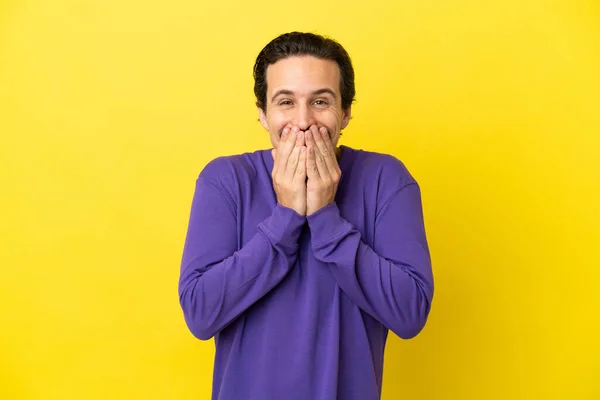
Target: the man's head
pixel 303 79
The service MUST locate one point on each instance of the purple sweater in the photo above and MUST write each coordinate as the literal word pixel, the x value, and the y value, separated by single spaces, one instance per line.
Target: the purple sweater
pixel 300 307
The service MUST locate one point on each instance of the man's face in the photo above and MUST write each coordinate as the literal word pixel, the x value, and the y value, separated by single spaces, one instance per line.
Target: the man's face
pixel 304 91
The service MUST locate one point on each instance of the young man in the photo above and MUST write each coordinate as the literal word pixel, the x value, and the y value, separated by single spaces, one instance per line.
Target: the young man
pixel 299 259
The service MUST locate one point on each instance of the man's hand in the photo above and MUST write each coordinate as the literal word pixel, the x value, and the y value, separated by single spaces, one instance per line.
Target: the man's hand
pixel 289 170
pixel 322 170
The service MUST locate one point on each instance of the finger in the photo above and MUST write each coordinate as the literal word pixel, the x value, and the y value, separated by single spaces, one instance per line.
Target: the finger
pixel 327 150
pixel 284 135
pixel 318 138
pixel 286 128
pixel 321 166
pixel 301 167
pixel 283 138
pixel 310 137
pixel 311 164
pixel 300 138
pixel 321 147
pixel 292 162
pixel 286 149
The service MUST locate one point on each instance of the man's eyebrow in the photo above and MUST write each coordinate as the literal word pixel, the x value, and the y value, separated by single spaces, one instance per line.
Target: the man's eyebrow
pixel 280 92
pixel 324 90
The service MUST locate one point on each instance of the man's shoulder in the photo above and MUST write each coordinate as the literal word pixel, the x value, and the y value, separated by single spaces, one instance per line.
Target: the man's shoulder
pixel 381 168
pixel 229 168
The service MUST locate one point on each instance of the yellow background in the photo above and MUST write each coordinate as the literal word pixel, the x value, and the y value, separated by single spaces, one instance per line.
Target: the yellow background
pixel 109 109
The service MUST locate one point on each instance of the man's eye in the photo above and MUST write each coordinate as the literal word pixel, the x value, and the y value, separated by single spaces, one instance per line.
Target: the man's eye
pixel 285 103
pixel 320 102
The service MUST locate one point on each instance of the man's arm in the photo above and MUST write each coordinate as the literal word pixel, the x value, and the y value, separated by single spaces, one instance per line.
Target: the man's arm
pixel 393 280
pixel 219 282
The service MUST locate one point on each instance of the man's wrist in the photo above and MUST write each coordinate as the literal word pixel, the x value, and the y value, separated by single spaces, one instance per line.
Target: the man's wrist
pixel 327 223
pixel 283 227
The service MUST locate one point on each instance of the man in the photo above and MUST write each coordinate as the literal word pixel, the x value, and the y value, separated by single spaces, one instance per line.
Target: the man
pixel 299 259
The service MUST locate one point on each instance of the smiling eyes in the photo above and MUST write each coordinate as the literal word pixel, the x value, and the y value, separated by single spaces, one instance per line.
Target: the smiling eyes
pixel 318 103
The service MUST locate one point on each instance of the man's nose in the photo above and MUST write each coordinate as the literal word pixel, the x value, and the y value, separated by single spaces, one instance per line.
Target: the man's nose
pixel 304 118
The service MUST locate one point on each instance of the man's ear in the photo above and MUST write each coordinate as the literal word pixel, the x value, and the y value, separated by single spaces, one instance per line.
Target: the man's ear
pixel 346 117
pixel 262 117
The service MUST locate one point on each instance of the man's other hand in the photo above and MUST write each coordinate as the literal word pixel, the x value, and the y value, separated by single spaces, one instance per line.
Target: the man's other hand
pixel 289 170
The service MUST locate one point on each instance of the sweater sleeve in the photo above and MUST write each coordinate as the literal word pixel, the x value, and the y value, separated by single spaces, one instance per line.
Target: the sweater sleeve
pixel 393 280
pixel 217 281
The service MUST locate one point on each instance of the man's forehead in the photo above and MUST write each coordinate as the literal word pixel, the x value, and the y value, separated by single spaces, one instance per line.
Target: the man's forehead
pixel 303 75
